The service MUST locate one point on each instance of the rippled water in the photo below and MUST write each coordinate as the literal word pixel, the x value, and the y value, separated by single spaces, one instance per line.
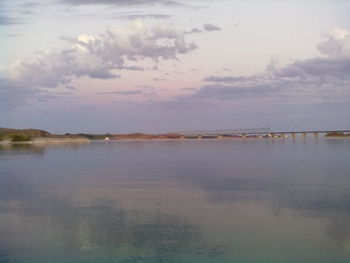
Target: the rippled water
pixel 176 201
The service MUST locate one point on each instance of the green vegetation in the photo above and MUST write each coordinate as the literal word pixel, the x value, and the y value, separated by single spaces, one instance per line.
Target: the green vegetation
pixel 20 138
pixel 21 135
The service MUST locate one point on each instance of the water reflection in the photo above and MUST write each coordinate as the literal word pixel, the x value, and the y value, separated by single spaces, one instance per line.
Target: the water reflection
pixel 215 201
pixel 100 228
pixel 38 148
pixel 21 148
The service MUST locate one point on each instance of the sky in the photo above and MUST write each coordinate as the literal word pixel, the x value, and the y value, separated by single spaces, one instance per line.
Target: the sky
pixel 158 66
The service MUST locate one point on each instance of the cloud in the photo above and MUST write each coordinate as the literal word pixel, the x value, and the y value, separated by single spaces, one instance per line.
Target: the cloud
pixel 5 20
pixel 210 27
pixel 146 87
pixel 130 3
pixel 338 43
pixel 159 79
pixel 194 31
pixel 145 16
pixel 226 79
pixel 316 77
pixel 124 92
pixel 31 5
pixel 111 2
pixel 6 15
pixel 176 104
pixel 95 56
pixel 172 4
pixel 27 13
pixel 12 93
pixel 322 78
pixel 134 68
pixel 13 35
pixel 99 56
pixel 187 88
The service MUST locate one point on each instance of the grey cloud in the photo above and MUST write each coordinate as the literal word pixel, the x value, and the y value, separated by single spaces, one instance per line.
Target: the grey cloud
pixel 210 27
pixel 27 13
pixel 125 102
pixel 126 92
pixel 187 88
pixel 5 20
pixel 180 103
pixel 322 69
pixel 159 79
pixel 45 96
pixel 134 68
pixel 172 4
pixel 13 35
pixel 316 77
pixel 194 31
pixel 111 2
pixel 226 79
pixel 12 93
pixel 29 8
pixel 326 78
pixel 145 16
pixel 31 4
pixel 145 87
pixel 227 92
pixel 164 3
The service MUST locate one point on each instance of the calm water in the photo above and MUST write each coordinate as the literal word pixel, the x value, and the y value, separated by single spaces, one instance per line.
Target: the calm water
pixel 176 201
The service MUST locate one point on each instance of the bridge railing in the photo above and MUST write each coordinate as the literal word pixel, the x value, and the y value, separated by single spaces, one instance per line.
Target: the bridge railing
pixel 228 131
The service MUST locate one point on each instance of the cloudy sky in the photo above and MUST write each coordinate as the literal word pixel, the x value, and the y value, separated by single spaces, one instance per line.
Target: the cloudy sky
pixel 174 65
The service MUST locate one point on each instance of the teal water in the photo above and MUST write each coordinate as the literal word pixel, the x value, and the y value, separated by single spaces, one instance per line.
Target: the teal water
pixel 244 201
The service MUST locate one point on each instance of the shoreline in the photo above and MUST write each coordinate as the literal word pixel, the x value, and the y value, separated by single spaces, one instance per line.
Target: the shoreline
pixel 39 141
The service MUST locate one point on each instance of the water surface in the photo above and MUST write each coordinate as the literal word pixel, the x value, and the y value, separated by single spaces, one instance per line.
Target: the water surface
pixel 251 200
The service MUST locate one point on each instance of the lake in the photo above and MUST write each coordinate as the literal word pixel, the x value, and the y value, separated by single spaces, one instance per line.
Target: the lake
pixel 181 201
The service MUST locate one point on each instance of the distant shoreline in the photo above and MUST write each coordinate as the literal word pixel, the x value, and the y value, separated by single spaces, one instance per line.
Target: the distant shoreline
pixel 35 136
pixel 41 141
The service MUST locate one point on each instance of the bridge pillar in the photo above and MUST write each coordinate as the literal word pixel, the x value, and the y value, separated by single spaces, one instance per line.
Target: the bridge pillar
pixel 316 135
pixel 304 135
pixel 293 135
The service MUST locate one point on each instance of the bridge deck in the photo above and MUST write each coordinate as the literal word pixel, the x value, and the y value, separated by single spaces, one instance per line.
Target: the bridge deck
pixel 256 132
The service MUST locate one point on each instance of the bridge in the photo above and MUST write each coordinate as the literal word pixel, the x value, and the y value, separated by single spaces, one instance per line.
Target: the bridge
pixel 256 133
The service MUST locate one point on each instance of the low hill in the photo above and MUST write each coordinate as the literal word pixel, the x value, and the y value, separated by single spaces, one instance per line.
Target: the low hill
pixel 24 132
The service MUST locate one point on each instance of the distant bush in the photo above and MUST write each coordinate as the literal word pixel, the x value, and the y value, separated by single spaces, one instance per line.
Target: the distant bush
pixel 1 138
pixel 20 138
pixel 335 134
